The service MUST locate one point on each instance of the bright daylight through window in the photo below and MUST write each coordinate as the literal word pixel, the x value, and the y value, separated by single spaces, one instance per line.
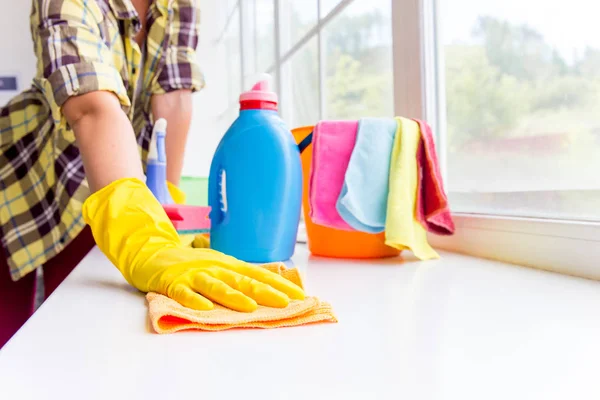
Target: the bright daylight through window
pixel 522 90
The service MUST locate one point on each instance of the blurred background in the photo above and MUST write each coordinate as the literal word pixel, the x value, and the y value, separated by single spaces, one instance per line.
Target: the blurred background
pixel 518 87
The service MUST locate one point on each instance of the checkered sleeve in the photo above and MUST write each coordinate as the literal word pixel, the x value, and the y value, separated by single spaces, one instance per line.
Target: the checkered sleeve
pixel 72 54
pixel 178 68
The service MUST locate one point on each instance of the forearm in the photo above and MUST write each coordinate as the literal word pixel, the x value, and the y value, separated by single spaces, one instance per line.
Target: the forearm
pixel 105 138
pixel 176 108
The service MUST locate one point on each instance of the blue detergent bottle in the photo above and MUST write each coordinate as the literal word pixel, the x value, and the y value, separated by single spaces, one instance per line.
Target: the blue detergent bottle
pixel 255 183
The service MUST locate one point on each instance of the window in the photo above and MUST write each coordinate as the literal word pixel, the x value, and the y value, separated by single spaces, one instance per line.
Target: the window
pixel 300 86
pixel 296 19
pixel 329 58
pixel 259 38
pixel 522 91
pixel 233 55
pixel 512 93
pixel 358 62
pixel 327 6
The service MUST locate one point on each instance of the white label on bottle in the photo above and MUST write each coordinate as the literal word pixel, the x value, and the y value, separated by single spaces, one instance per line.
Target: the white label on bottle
pixel 223 191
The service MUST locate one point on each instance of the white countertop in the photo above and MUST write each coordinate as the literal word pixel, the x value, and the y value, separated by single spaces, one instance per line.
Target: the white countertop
pixel 457 328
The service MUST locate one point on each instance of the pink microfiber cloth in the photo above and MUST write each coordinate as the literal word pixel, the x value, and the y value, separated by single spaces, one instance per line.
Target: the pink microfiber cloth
pixel 333 142
pixel 433 211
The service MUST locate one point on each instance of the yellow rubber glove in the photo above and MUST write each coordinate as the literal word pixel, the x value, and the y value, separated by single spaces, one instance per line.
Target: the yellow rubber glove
pixel 134 232
pixel 201 241
pixel 177 194
pixel 187 240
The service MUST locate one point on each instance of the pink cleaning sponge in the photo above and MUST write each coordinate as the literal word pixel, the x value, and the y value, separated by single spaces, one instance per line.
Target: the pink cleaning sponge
pixel 188 219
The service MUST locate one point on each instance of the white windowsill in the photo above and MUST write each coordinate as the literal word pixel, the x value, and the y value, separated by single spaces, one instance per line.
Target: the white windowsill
pixel 566 247
pixel 454 328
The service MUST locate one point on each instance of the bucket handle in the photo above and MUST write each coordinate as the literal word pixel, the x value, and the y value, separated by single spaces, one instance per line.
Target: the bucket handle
pixel 305 142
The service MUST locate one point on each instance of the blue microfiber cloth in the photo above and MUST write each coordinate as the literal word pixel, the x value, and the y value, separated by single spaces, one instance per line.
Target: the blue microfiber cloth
pixel 362 203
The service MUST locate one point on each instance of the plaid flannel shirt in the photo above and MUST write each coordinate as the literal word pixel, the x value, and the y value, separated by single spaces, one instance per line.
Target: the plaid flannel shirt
pixel 81 46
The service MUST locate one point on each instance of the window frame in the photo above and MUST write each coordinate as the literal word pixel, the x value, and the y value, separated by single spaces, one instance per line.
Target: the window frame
pixel 275 69
pixel 564 246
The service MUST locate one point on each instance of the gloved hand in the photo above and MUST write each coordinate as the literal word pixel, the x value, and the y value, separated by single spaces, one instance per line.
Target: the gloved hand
pixel 133 230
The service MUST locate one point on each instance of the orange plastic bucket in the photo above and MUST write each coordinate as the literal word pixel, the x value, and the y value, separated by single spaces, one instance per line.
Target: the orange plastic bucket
pixel 329 242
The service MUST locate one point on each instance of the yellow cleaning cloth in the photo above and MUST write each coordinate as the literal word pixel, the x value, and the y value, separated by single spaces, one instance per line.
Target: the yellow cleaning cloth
pixel 402 230
pixel 168 316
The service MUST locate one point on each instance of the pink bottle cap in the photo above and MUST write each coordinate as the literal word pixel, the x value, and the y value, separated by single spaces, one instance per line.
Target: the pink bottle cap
pixel 260 92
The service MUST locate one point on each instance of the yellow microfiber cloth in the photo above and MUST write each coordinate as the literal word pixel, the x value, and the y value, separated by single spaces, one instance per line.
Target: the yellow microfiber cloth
pixel 402 229
pixel 168 316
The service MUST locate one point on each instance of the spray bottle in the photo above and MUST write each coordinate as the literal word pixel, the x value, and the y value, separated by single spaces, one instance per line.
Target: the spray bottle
pixel 156 172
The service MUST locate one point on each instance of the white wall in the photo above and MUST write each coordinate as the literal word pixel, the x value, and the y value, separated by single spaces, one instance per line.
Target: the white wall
pixel 209 123
pixel 16 48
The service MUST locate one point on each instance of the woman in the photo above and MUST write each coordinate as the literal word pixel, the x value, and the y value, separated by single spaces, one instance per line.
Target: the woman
pixel 106 69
